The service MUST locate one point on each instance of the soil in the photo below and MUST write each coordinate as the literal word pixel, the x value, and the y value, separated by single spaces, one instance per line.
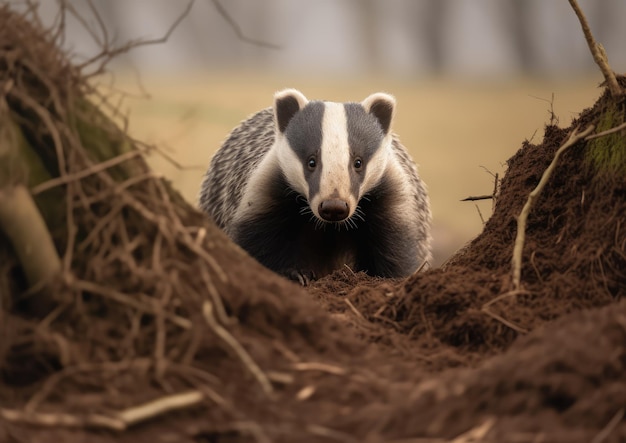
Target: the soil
pixel 449 354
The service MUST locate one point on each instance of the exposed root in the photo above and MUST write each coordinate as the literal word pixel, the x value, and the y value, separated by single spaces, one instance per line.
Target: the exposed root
pixel 207 311
pixel 574 138
pixel 115 421
pixel 516 261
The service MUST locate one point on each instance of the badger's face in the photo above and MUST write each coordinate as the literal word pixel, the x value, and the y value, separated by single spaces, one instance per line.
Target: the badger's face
pixel 332 153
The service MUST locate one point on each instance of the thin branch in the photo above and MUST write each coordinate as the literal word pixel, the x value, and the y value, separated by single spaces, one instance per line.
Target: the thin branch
pixel 505 322
pixel 58 181
pixel 237 29
pixel 140 413
pixel 246 359
pixel 118 421
pixel 553 118
pixel 610 426
pixel 322 367
pixel 66 5
pixel 62 419
pixel 480 214
pixel 354 309
pixel 598 53
pixel 472 198
pixel 101 25
pixel 137 301
pixel 607 132
pixel 108 54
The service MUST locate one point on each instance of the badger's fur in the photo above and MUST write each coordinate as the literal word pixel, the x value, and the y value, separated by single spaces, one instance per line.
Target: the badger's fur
pixel 308 187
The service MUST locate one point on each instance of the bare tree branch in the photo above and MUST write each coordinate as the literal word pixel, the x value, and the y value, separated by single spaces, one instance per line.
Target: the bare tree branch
pixel 237 29
pixel 598 53
pixel 107 54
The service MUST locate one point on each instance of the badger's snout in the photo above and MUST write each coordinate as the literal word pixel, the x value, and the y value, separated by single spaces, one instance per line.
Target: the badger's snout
pixel 334 210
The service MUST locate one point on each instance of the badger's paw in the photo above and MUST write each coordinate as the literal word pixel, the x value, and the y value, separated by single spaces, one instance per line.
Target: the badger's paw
pixel 299 275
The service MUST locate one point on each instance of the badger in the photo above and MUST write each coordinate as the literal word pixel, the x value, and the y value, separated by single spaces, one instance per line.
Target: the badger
pixel 309 187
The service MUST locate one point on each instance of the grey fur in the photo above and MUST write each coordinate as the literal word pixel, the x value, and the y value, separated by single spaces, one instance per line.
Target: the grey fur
pixel 224 183
pixel 304 133
pixel 384 243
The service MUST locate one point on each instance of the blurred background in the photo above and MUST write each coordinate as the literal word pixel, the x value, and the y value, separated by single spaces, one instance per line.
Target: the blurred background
pixel 473 78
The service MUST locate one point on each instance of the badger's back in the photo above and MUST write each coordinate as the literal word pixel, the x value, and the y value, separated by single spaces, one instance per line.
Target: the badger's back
pixel 225 180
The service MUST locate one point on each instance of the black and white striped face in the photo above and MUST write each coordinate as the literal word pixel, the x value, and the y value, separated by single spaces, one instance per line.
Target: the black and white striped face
pixel 332 153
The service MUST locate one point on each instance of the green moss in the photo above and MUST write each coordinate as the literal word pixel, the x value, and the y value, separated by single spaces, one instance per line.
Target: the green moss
pixel 608 154
pixel 102 139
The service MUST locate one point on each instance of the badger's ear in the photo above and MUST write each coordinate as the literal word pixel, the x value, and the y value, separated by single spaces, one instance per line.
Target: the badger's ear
pixel 381 106
pixel 286 103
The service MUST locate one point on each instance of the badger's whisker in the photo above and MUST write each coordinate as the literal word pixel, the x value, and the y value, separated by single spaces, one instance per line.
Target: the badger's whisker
pixel 358 213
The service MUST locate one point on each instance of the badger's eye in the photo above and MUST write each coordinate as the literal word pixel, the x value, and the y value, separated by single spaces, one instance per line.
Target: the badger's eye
pixel 311 163
pixel 358 163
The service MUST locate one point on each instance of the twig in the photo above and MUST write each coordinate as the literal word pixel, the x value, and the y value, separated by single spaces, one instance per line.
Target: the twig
pixel 607 132
pixel 53 381
pixel 322 367
pixel 138 414
pixel 246 359
pixel 477 433
pixel 252 428
pixel 349 269
pixel 598 53
pixel 63 419
pixel 496 190
pixel 480 214
pixel 354 309
pixel 330 434
pixel 610 426
pixel 117 421
pixel 505 322
pixel 508 294
pixel 160 360
pixel 185 237
pixel 222 316
pixel 148 305
pixel 305 393
pixel 553 118
pixel 107 192
pixel 477 197
pixel 516 261
pixel 237 29
pixel 108 54
pixel 85 172
pixel 67 5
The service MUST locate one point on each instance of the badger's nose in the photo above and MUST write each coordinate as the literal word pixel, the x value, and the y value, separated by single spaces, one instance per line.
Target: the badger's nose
pixel 333 209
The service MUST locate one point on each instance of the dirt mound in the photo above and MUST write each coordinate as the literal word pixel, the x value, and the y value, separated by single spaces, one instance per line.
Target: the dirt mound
pixel 157 327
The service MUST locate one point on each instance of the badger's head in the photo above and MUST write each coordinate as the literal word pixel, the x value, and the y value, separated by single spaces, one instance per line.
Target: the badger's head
pixel 332 153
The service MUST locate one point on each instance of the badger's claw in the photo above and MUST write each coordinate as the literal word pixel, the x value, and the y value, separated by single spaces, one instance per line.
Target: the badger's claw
pixel 301 276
